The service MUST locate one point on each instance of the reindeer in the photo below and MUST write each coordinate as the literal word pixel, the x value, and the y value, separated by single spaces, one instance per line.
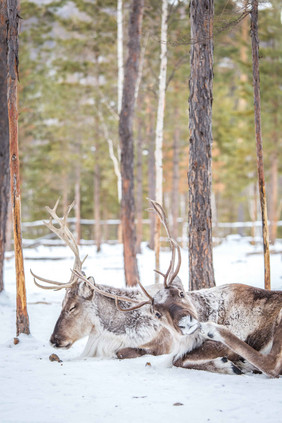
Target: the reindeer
pixel 89 309
pixel 228 329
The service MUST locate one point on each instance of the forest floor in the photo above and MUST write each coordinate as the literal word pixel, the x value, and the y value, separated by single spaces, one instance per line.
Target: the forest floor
pixel 144 390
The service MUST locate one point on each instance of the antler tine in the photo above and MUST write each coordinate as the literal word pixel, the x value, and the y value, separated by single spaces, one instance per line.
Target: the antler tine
pixel 56 285
pixel 171 273
pixel 144 290
pixel 175 273
pixel 132 308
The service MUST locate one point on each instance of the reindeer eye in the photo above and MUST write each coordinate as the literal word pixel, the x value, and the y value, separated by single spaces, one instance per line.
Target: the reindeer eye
pixel 181 294
pixel 158 315
pixel 72 308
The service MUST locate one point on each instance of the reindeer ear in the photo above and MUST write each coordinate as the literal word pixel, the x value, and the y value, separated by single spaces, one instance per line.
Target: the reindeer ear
pixel 85 291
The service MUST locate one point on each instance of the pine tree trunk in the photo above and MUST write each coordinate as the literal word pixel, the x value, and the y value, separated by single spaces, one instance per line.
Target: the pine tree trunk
pixel 139 190
pixel 120 53
pixel 97 206
pixel 126 141
pixel 256 85
pixel 77 204
pixel 201 274
pixel 159 131
pixel 13 18
pixel 4 139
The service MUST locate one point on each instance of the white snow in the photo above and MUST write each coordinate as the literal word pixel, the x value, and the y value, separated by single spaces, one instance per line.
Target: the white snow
pixel 35 390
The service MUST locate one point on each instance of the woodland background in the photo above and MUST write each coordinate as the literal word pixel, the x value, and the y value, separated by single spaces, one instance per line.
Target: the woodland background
pixel 69 113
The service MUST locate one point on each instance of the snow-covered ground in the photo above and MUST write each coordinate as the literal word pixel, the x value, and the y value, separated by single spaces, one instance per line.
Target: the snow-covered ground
pixel 36 390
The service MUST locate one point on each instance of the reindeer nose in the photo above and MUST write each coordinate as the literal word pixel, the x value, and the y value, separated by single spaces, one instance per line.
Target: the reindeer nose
pixel 55 340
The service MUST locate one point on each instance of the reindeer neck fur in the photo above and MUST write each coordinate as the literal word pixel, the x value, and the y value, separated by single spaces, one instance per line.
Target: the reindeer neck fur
pixel 114 329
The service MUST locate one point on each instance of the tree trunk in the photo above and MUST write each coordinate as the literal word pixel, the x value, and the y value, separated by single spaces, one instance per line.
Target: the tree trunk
pixel 139 191
pixel 159 131
pixel 120 53
pixel 151 172
pixel 201 274
pixel 175 178
pixel 256 85
pixel 13 22
pixel 97 206
pixel 126 140
pixel 4 139
pixel 77 204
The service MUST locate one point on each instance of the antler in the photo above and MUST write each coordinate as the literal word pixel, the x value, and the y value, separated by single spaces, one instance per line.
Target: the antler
pixel 117 298
pixel 63 232
pixel 171 273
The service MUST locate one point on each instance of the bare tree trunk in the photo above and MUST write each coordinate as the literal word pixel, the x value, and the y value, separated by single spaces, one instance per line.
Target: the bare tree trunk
pixel 120 53
pixel 13 18
pixel 159 131
pixel 175 177
pixel 4 138
pixel 151 172
pixel 201 273
pixel 77 204
pixel 256 85
pixel 97 206
pixel 126 140
pixel 139 190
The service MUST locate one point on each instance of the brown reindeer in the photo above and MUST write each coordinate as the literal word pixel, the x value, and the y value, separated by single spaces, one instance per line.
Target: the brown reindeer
pixel 89 309
pixel 214 327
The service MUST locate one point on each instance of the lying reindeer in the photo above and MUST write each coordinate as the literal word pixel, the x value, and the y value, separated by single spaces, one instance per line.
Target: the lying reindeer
pixel 231 328
pixel 89 309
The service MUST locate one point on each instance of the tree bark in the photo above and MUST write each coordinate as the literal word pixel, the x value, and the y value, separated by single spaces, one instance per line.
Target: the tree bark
pixel 4 138
pixel 120 53
pixel 126 140
pixel 159 131
pixel 201 273
pixel 13 22
pixel 256 85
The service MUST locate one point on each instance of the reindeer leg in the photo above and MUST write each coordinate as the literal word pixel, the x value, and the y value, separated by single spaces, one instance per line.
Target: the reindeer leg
pixel 270 364
pixel 210 356
pixel 158 346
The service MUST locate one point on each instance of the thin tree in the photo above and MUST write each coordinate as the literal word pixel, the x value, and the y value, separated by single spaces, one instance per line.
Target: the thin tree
pixel 126 141
pixel 256 85
pixel 4 138
pixel 201 274
pixel 159 131
pixel 13 36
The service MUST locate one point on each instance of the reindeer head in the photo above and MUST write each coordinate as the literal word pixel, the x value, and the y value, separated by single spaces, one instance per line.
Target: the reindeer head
pixel 74 321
